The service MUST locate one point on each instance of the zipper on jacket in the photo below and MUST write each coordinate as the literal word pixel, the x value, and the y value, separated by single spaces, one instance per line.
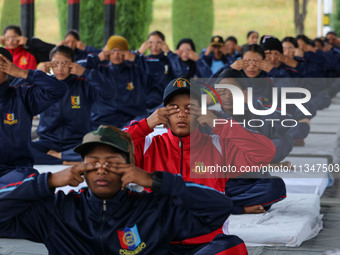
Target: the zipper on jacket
pixel 102 226
pixel 181 146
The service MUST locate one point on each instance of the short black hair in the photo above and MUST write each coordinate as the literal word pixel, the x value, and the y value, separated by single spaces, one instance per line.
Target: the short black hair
pixel 188 41
pixel 290 39
pixel 304 38
pixel 253 48
pixel 231 38
pixel 65 50
pixel 332 32
pixel 320 40
pixel 16 29
pixel 158 33
pixel 252 31
pixel 74 33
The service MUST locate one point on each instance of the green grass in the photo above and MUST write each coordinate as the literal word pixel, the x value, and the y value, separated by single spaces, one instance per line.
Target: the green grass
pixel 232 17
pixel 237 17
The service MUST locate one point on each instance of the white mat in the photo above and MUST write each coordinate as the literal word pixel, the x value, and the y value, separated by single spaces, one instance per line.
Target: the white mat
pixel 57 168
pixel 325 128
pixel 288 223
pixel 319 144
pixel 21 247
pixel 303 180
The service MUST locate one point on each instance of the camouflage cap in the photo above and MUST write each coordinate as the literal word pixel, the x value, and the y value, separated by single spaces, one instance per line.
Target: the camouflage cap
pixel 111 136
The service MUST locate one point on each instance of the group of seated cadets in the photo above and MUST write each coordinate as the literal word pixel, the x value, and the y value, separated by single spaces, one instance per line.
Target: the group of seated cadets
pixel 219 242
pixel 91 78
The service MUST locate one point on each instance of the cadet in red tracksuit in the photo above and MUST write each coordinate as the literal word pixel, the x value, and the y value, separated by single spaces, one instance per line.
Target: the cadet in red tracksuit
pixel 230 146
pixel 14 41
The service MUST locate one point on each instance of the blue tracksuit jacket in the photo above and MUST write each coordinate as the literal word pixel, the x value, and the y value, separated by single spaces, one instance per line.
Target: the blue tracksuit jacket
pixel 64 123
pixel 82 54
pixel 182 69
pixel 121 91
pixel 130 223
pixel 18 104
pixel 160 74
pixel 282 137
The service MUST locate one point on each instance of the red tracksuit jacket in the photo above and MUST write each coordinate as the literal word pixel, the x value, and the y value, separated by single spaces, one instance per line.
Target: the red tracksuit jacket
pixel 23 59
pixel 232 147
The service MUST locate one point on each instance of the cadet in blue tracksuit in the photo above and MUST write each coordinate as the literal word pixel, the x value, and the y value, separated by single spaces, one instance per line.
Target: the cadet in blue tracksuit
pixel 160 69
pixel 72 40
pixel 282 137
pixel 214 55
pixel 252 188
pixel 254 65
pixel 63 124
pixel 308 63
pixel 320 94
pixel 232 49
pixel 186 63
pixel 332 56
pixel 28 95
pixel 41 50
pixel 121 87
pixel 298 60
pixel 107 218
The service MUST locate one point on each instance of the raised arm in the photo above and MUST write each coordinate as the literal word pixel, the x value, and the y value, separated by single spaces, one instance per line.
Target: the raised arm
pixel 39 89
pixel 191 209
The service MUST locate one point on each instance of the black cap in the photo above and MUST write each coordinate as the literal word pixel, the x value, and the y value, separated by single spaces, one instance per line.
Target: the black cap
pixel 180 86
pixel 216 41
pixel 6 54
pixel 271 43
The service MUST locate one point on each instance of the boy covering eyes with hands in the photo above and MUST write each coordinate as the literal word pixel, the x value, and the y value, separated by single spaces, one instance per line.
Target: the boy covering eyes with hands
pixel 107 218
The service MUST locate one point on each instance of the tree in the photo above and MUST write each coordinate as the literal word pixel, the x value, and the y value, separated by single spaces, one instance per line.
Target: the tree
pixel 91 23
pixel 62 17
pixel 10 14
pixel 300 12
pixel 335 17
pixel 193 19
pixel 133 18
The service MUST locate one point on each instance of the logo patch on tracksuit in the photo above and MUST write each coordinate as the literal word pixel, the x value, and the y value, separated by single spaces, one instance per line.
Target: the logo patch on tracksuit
pixel 199 168
pixel 10 119
pixel 75 101
pixel 23 61
pixel 130 241
pixel 130 86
